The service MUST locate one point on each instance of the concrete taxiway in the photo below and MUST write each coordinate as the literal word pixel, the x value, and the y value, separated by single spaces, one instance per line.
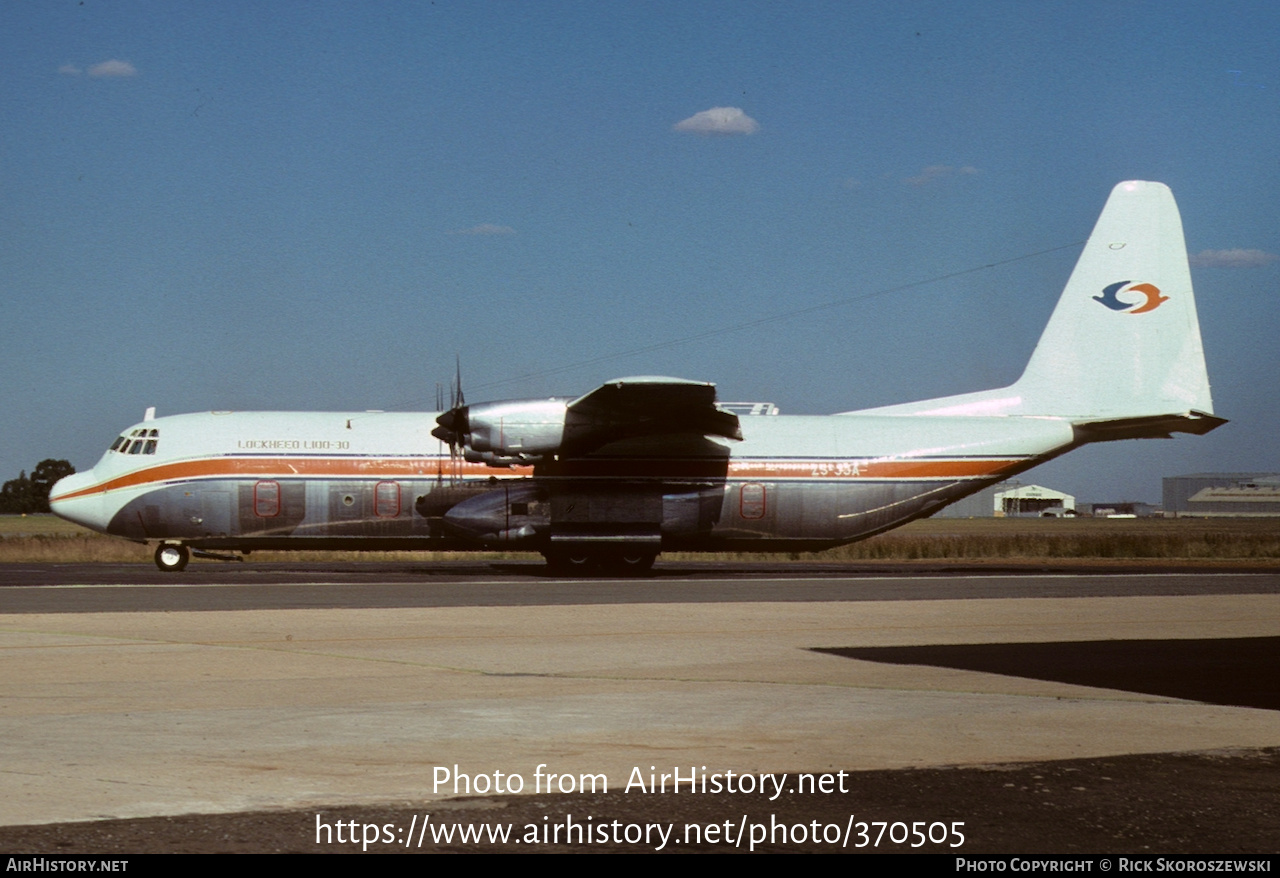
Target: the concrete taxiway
pixel 116 712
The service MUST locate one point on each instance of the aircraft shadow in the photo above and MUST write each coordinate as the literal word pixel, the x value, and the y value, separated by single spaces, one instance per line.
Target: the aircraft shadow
pixel 1237 672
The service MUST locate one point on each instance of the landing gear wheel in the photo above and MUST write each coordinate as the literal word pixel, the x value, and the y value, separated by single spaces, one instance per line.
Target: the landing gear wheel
pixel 172 557
pixel 571 563
pixel 630 563
pixel 576 562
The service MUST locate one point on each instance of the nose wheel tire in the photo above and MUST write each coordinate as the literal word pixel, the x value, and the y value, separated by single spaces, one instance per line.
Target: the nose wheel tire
pixel 172 557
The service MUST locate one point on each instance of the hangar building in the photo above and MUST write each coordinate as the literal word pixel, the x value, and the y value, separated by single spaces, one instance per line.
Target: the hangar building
pixel 1206 495
pixel 1032 501
pixel 1011 499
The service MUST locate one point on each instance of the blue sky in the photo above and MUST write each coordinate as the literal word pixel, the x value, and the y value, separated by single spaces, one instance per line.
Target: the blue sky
pixel 320 205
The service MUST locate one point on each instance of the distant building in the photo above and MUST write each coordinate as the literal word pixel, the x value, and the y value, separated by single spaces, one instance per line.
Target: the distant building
pixel 1032 501
pixel 1012 499
pixel 1124 509
pixel 1208 495
pixel 974 506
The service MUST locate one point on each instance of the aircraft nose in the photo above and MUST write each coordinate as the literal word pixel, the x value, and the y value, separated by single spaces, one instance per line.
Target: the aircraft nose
pixel 71 499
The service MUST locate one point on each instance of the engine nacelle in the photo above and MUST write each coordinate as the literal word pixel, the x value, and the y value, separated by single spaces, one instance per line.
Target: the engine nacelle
pixel 517 431
pixel 517 427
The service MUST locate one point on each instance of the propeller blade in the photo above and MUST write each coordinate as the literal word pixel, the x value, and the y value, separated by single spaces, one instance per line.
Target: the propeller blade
pixel 459 400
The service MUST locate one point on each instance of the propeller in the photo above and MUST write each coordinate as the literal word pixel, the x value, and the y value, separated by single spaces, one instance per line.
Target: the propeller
pixel 454 425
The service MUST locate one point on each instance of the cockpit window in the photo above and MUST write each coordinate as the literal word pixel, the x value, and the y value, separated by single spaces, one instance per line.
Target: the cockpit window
pixel 140 441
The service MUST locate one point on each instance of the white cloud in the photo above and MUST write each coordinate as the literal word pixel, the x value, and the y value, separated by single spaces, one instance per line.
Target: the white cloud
pixel 1237 258
pixel 113 68
pixel 938 172
pixel 69 70
pixel 719 120
pixel 485 229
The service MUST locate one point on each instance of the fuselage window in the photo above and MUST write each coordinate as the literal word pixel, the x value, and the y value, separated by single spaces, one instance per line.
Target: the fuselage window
pixel 266 499
pixel 386 499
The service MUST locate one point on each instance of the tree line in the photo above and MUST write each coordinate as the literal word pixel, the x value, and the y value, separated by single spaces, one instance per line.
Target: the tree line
pixel 27 494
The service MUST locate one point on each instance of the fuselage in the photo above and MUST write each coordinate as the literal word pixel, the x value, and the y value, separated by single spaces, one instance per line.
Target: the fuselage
pixel 246 480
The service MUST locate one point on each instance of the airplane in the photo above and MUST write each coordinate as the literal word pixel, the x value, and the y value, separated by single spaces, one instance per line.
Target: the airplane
pixel 608 480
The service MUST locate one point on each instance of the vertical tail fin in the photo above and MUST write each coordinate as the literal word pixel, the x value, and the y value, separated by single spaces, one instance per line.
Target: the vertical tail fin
pixel 1122 347
pixel 1124 340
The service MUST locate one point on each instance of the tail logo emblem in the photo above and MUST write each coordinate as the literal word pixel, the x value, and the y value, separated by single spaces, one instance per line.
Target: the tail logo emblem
pixel 1110 297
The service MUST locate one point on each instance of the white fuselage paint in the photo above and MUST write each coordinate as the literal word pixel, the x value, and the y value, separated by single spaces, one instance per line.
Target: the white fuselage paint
pixel 226 479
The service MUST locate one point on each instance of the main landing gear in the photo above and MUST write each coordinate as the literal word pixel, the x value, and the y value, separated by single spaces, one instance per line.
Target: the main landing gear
pixel 172 557
pixel 576 562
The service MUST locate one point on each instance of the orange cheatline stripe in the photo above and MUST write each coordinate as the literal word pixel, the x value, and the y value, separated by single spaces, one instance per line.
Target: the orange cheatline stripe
pixel 420 467
pixel 429 467
pixel 833 468
pixel 873 469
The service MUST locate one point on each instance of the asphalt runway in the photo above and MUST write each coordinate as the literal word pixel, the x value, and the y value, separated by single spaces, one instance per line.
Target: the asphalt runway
pixel 130 693
pixel 95 588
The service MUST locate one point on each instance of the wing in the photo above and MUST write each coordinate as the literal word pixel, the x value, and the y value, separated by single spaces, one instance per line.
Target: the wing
pixel 646 406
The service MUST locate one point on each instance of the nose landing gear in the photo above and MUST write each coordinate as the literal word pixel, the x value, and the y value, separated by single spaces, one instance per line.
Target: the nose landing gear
pixel 172 557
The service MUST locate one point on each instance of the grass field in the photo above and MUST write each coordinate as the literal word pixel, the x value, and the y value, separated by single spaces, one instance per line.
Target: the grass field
pixel 1195 539
pixel 1256 541
pixel 12 526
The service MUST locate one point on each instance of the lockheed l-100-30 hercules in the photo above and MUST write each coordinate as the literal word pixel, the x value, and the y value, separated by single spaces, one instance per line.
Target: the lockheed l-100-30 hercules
pixel 643 465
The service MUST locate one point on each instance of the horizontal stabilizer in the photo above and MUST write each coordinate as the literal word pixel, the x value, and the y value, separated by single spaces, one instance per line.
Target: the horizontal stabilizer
pixel 1155 427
